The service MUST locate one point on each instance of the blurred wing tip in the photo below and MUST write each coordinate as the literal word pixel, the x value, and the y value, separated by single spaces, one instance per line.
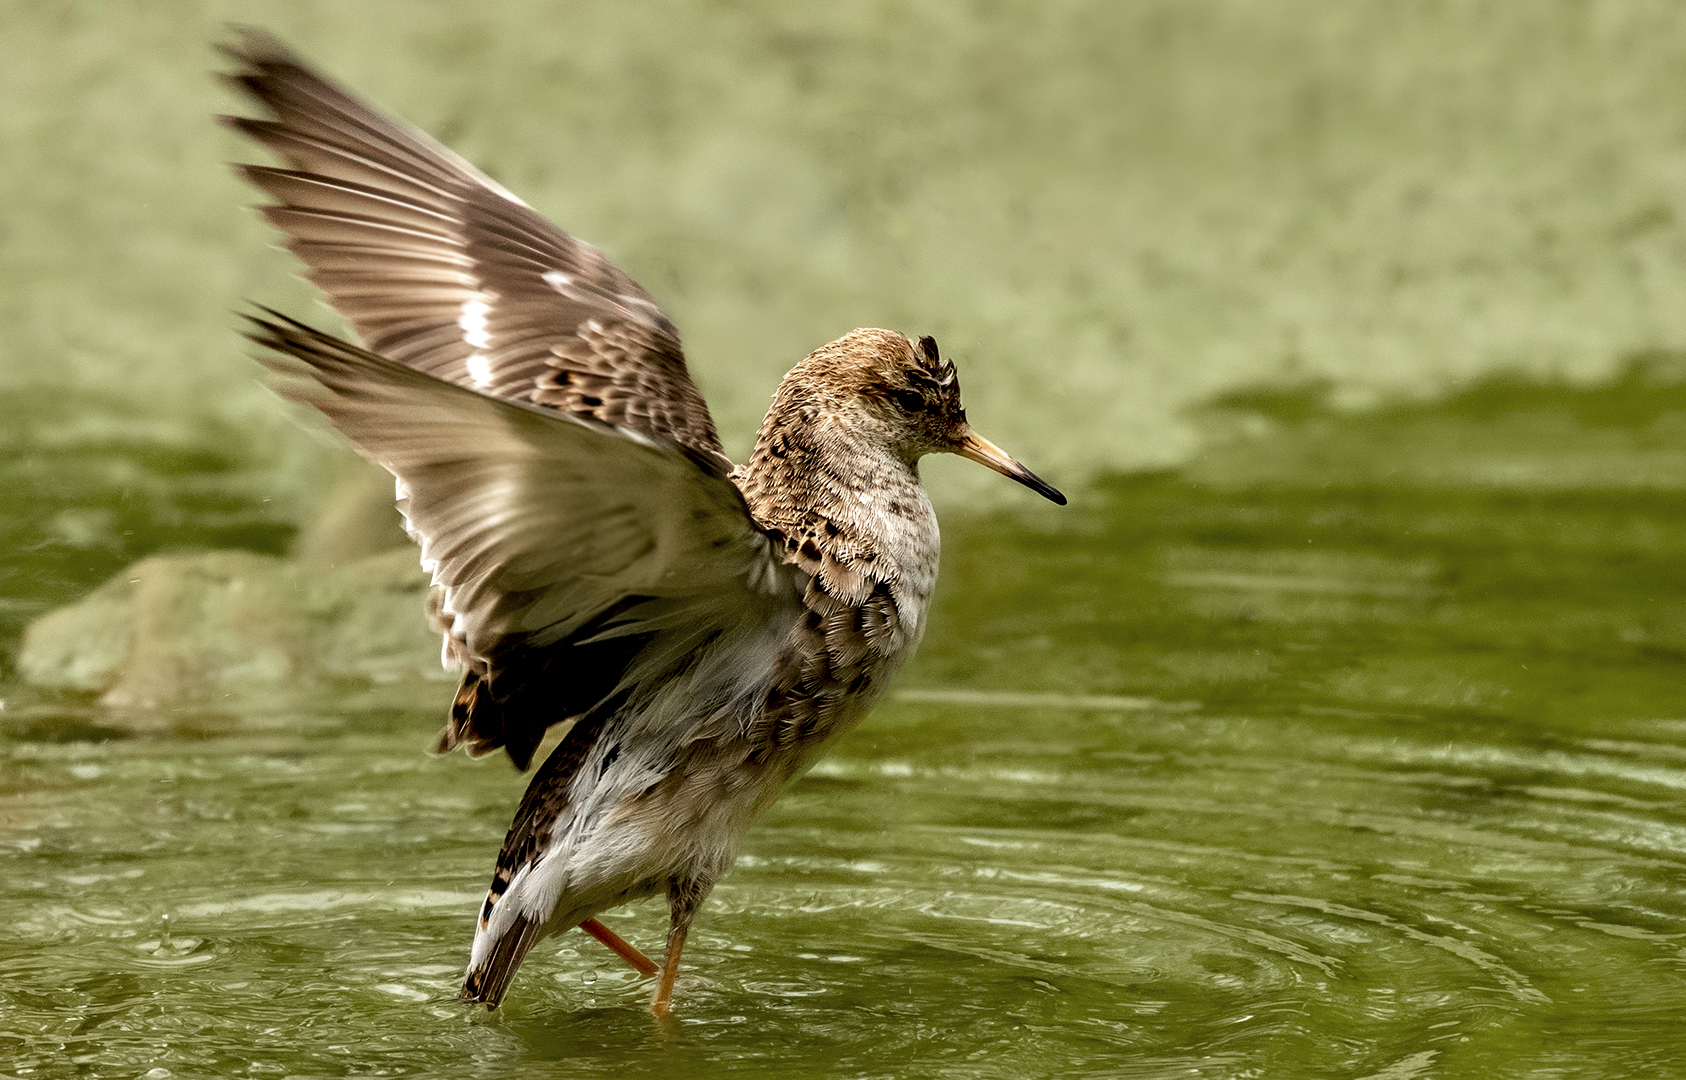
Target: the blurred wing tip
pixel 269 319
pixel 289 348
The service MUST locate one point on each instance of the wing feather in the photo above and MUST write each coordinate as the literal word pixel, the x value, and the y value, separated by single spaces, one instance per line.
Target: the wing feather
pixel 441 269
pixel 575 561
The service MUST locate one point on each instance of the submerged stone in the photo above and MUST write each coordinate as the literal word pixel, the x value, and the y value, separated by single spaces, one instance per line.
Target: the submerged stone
pixel 233 627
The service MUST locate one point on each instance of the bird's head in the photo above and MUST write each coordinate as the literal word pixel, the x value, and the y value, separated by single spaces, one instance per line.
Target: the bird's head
pixel 900 394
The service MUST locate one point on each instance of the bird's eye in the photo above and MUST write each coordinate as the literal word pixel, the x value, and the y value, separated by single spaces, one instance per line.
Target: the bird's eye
pixel 911 400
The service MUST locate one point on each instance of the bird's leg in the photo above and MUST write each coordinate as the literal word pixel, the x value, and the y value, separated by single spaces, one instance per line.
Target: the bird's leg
pixel 683 899
pixel 620 947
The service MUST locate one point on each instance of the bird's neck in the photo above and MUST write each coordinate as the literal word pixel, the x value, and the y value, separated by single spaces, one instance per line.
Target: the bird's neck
pixel 814 471
pixel 847 510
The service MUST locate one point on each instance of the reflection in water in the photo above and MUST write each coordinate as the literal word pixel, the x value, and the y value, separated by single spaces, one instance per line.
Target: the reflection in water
pixel 1346 751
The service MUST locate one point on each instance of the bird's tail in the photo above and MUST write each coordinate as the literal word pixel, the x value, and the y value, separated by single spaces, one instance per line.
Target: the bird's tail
pixel 488 979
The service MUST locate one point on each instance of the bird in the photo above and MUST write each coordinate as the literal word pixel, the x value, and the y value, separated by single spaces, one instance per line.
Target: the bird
pixel 700 629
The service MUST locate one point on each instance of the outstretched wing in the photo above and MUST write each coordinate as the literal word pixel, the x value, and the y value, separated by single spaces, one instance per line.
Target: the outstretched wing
pixel 576 563
pixel 442 270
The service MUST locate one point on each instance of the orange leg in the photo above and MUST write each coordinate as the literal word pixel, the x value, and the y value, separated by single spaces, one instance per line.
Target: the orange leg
pixel 620 947
pixel 670 971
pixel 683 899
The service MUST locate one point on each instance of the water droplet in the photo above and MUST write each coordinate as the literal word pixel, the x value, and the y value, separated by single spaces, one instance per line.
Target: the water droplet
pixel 589 977
pixel 164 935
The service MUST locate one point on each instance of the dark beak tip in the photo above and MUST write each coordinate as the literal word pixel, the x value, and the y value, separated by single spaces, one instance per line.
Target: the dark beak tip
pixel 979 449
pixel 1040 486
pixel 1051 493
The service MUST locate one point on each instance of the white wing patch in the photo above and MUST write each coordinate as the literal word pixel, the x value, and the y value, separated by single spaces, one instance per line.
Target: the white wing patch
pixel 472 320
pixel 557 280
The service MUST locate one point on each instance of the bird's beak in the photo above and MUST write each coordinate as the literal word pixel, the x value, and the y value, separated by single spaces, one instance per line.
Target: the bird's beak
pixel 984 452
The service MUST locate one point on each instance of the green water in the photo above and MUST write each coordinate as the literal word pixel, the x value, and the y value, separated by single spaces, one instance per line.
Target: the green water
pixel 1336 729
pixel 1290 763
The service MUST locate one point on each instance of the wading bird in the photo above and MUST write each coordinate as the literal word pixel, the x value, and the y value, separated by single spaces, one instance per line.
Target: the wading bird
pixel 596 559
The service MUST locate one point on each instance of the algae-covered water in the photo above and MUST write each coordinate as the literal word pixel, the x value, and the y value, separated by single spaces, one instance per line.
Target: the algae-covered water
pixel 1296 762
pixel 1336 729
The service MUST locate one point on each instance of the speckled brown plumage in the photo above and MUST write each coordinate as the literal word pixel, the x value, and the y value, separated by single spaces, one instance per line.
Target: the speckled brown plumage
pixel 597 561
pixel 865 565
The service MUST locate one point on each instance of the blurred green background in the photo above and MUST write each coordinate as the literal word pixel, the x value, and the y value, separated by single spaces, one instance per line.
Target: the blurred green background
pixel 1107 212
pixel 1334 730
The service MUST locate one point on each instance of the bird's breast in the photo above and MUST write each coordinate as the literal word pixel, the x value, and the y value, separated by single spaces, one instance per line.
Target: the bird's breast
pixel 867 579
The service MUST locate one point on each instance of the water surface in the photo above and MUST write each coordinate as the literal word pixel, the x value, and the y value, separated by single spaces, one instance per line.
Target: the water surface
pixel 1354 749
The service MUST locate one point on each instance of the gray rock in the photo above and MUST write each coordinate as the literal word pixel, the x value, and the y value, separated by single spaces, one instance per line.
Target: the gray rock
pixel 239 629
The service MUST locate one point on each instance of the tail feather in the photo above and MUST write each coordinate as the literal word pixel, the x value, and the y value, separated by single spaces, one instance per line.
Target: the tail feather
pixel 484 723
pixel 487 981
